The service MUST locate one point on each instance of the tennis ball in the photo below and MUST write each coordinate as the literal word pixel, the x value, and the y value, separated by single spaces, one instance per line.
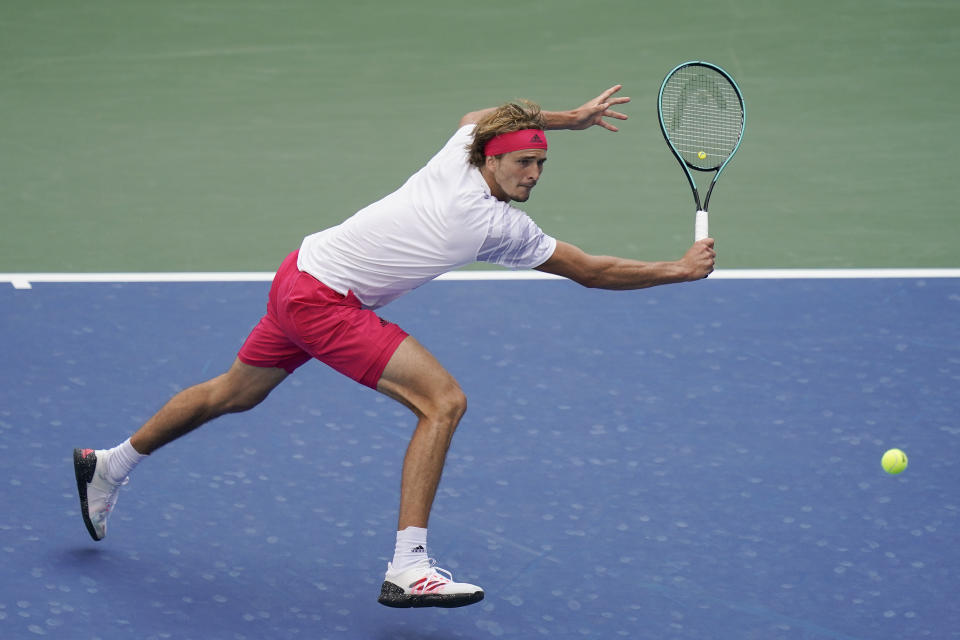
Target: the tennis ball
pixel 702 155
pixel 894 461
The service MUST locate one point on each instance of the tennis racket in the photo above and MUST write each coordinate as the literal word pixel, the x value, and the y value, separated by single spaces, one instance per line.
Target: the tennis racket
pixel 702 119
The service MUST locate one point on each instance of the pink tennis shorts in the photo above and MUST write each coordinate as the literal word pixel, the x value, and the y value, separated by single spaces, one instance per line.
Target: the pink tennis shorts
pixel 307 319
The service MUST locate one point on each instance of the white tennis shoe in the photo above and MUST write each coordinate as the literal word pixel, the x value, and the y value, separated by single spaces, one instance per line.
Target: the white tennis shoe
pixel 426 585
pixel 98 494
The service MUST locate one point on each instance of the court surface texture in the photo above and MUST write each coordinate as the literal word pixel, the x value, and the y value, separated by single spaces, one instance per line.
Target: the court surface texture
pixel 694 461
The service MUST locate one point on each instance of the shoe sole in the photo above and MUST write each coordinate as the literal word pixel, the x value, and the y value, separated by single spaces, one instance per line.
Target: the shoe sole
pixel 83 468
pixel 393 596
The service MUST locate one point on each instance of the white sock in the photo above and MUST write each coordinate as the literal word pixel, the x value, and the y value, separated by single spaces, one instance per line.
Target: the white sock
pixel 121 461
pixel 411 548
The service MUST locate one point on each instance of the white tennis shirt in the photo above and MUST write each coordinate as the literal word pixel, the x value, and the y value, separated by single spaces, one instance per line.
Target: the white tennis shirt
pixel 442 218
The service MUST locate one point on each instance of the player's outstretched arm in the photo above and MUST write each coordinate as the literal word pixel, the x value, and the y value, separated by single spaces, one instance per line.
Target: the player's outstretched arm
pixel 583 117
pixel 590 114
pixel 609 272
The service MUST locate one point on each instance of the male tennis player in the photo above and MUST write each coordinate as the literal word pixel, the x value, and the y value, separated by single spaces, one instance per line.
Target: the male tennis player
pixel 454 211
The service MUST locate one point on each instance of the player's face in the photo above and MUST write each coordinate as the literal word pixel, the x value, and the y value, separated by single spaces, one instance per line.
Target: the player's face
pixel 513 175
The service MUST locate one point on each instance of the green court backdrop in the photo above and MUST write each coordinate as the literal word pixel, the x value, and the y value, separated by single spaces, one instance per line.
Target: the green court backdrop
pixel 212 136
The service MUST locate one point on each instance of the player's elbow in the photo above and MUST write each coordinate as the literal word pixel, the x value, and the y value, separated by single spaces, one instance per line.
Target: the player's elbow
pixel 471 118
pixel 574 264
pixel 597 272
pixel 591 279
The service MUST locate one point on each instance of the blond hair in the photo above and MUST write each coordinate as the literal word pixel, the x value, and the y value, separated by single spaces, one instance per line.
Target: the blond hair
pixel 510 117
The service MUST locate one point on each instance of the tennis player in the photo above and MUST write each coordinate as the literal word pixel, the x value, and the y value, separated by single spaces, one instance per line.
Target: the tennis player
pixel 454 211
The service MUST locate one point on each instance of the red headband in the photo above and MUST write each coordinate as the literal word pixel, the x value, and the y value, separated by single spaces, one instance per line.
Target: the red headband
pixel 516 140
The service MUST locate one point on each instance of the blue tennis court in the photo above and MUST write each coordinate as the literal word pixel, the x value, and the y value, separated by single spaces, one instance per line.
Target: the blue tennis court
pixel 696 461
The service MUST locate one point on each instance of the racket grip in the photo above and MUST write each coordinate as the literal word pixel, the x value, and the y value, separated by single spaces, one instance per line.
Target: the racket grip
pixel 701 227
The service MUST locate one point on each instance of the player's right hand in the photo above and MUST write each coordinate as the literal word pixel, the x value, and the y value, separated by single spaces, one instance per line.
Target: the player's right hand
pixel 700 258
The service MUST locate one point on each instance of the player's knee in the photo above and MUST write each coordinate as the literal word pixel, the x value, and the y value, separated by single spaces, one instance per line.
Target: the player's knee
pixel 243 401
pixel 227 396
pixel 452 405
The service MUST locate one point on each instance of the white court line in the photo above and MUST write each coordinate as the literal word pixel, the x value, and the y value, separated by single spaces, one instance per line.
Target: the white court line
pixel 803 274
pixel 26 280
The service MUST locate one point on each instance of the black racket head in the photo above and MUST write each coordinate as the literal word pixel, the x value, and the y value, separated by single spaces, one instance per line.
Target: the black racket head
pixel 701 115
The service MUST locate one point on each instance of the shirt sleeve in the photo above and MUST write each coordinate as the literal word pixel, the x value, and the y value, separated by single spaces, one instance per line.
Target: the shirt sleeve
pixel 514 240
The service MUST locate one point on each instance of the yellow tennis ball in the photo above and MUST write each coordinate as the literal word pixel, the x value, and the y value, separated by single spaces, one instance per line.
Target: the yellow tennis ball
pixel 702 155
pixel 894 461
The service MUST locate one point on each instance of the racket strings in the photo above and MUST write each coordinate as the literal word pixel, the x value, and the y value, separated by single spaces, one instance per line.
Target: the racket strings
pixel 703 116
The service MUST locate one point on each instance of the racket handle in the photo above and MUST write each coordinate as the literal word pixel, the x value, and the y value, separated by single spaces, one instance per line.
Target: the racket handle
pixel 701 228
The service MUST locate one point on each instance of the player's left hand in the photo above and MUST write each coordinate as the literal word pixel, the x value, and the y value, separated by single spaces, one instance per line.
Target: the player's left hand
pixel 593 112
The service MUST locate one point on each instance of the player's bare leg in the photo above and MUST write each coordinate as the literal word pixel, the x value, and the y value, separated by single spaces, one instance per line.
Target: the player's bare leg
pixel 241 388
pixel 415 378
pixel 100 473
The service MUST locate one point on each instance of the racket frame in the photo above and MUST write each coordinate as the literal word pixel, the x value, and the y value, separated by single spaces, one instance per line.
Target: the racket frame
pixel 701 209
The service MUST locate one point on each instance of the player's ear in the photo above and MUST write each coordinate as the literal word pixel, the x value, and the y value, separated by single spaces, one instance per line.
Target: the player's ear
pixel 491 162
